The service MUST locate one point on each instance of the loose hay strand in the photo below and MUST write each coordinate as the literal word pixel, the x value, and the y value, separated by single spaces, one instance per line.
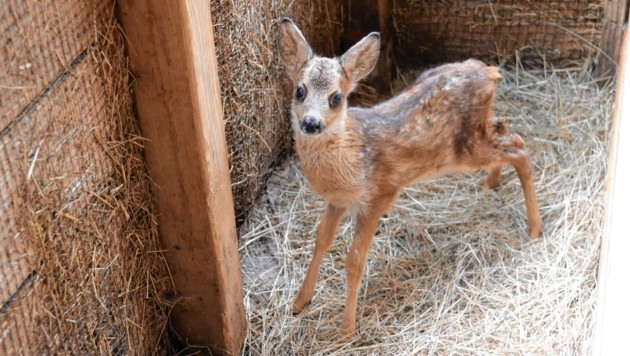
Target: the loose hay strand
pixel 451 269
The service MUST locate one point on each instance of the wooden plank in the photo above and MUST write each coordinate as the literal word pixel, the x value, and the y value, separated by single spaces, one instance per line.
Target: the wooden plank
pixel 364 17
pixel 39 41
pixel 615 16
pixel 613 311
pixel 172 57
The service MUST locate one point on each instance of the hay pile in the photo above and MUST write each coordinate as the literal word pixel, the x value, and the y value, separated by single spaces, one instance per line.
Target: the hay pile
pixel 82 202
pixel 451 269
pixel 254 87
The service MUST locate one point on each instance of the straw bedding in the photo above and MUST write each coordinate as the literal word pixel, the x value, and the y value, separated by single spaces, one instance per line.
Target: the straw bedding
pixel 451 269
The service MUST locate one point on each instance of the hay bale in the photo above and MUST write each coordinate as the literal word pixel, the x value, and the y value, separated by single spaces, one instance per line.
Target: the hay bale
pixel 81 205
pixel 451 270
pixel 254 86
pixel 561 32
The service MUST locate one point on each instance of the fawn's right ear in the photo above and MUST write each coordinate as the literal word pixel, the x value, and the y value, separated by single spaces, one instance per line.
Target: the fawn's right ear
pixel 294 50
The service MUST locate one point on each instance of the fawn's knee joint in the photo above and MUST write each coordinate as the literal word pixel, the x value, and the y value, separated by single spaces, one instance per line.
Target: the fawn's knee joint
pixel 517 141
pixel 500 125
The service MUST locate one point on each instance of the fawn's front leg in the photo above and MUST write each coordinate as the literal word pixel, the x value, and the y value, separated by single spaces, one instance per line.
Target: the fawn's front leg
pixel 326 231
pixel 366 225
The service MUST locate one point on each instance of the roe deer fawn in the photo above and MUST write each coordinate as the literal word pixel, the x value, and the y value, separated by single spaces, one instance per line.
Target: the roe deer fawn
pixel 359 159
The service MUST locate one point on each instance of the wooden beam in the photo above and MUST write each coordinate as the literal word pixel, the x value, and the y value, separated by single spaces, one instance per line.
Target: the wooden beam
pixel 172 57
pixel 615 17
pixel 362 18
pixel 613 311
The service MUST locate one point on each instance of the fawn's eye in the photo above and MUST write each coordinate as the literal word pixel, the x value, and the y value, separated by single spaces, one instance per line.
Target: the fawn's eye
pixel 334 100
pixel 300 93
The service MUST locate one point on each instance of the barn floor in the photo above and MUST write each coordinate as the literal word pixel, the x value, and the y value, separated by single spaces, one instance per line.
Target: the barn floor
pixel 451 269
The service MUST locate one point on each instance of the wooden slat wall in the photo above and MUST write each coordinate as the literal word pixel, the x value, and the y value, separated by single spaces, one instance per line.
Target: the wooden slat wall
pixel 80 270
pixel 38 45
pixel 32 61
pixel 615 18
pixel 563 32
pixel 362 18
pixel 30 150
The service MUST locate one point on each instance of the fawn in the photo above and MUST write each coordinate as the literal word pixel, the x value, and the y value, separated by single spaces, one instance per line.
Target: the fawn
pixel 359 159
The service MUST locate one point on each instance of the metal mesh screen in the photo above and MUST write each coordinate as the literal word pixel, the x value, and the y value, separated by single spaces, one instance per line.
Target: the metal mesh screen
pixel 561 32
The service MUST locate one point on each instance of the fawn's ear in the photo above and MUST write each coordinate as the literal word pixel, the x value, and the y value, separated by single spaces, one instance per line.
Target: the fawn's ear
pixel 359 60
pixel 294 50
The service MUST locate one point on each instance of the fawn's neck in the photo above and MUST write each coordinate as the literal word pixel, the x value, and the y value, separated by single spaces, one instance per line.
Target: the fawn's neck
pixel 334 165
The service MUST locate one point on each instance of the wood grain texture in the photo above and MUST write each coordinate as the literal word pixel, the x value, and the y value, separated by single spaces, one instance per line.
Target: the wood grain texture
pixel 172 58
pixel 363 17
pixel 613 312
pixel 615 16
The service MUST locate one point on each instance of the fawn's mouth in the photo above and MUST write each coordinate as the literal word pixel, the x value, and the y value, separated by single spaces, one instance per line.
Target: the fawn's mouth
pixel 311 126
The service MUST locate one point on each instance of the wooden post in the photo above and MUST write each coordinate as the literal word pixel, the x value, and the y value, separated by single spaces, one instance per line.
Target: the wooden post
pixel 172 57
pixel 362 18
pixel 613 311
pixel 615 17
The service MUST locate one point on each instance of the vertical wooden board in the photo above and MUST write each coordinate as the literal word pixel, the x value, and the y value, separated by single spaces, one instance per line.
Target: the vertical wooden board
pixel 172 58
pixel 39 41
pixel 615 15
pixel 363 17
pixel 613 311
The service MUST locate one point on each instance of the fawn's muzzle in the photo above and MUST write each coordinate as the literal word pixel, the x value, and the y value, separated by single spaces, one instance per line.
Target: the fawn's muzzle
pixel 311 125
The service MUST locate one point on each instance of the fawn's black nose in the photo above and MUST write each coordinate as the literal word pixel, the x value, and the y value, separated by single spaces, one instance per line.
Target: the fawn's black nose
pixel 311 125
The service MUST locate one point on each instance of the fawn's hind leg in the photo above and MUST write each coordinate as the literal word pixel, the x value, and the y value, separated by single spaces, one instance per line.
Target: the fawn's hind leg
pixel 326 232
pixel 494 177
pixel 514 153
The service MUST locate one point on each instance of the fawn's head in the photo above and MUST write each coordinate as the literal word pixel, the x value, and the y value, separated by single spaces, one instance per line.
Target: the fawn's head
pixel 321 85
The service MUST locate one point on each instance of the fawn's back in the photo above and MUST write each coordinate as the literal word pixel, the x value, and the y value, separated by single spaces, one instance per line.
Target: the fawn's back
pixel 437 125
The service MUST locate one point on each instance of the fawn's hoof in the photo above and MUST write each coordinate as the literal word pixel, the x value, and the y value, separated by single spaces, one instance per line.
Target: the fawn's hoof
pixel 347 331
pixel 534 233
pixel 491 184
pixel 534 226
pixel 298 307
pixel 346 335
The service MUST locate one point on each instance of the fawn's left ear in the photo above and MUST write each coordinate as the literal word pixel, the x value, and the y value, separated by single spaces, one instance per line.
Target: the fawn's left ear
pixel 293 47
pixel 359 60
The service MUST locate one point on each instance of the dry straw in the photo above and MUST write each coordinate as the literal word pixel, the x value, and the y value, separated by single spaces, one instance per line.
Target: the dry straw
pixel 451 270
